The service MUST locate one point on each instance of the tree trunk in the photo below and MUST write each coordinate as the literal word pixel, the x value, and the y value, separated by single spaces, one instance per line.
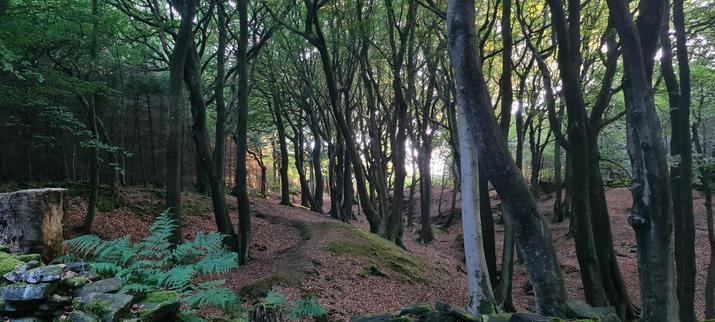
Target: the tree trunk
pixel 472 97
pixel 90 104
pixel 187 10
pixel 244 210
pixel 651 216
pixel 33 221
pixel 481 296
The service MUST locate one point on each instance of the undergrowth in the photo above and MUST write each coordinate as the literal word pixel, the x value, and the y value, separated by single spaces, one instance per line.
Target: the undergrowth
pixel 155 265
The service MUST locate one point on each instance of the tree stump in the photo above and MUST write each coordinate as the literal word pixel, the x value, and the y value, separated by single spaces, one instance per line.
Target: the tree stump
pixel 31 221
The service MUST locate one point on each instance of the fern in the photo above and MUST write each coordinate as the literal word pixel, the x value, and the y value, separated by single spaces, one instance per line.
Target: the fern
pixel 222 298
pixel 295 309
pixel 305 308
pixel 154 264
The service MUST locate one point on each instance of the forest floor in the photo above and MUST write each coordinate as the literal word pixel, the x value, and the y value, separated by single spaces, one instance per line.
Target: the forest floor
pixel 303 254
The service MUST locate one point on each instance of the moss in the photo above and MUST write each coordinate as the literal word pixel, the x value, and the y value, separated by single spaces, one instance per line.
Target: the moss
pixel 4 249
pixel 372 271
pixel 9 264
pixel 75 282
pixel 401 319
pixel 260 288
pixel 96 307
pixel 161 297
pixel 382 254
pixel 29 257
pixel 487 307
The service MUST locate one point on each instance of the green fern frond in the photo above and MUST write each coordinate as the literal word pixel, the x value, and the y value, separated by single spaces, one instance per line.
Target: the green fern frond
pixel 178 278
pixel 221 298
pixel 275 299
pixel 217 264
pixel 85 246
pixel 137 288
pixel 305 308
pixel 69 258
pixel 189 316
pixel 105 268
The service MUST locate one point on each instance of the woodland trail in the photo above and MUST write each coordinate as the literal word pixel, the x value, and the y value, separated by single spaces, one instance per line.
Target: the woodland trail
pixel 303 254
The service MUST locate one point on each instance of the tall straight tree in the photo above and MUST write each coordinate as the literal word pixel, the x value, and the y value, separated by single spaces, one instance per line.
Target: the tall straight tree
pixel 91 105
pixel 244 210
pixel 180 53
pixel 531 230
pixel 682 175
pixel 652 213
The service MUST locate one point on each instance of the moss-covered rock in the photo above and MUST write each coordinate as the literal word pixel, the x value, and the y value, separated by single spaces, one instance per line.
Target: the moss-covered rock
pixel 161 297
pixel 29 257
pixel 75 282
pixel 8 264
pixel 415 309
pixel 382 254
pixel 260 288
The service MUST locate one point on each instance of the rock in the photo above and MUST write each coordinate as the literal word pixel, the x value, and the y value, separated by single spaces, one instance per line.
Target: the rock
pixel 77 267
pixel 33 221
pixel 28 292
pixel 116 304
pixel 54 303
pixel 32 264
pixel 26 319
pixel 496 317
pixel 371 318
pixel 75 282
pixel 158 312
pixel 442 307
pixel 529 317
pixel 79 316
pixel 607 314
pixel 17 275
pixel 103 286
pixel 44 274
pixel 464 316
pixel 415 309
pixel 581 310
pixel 440 316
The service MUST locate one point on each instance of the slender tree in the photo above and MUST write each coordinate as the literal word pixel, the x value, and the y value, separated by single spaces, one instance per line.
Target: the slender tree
pixel 534 238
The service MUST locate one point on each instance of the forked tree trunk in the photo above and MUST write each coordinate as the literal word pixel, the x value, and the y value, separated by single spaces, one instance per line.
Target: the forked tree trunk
pixel 33 221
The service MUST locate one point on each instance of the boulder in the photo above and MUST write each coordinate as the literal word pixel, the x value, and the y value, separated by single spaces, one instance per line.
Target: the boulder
pixel 581 310
pixel 102 286
pixel 464 316
pixel 496 317
pixel 26 319
pixel 33 221
pixel 44 274
pixel 77 267
pixel 115 306
pixel 529 317
pixel 415 309
pixel 27 292
pixel 158 312
pixel 79 316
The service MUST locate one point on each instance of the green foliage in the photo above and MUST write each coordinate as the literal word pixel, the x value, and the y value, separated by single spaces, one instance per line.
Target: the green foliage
pixel 294 310
pixel 155 265
pixel 96 307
